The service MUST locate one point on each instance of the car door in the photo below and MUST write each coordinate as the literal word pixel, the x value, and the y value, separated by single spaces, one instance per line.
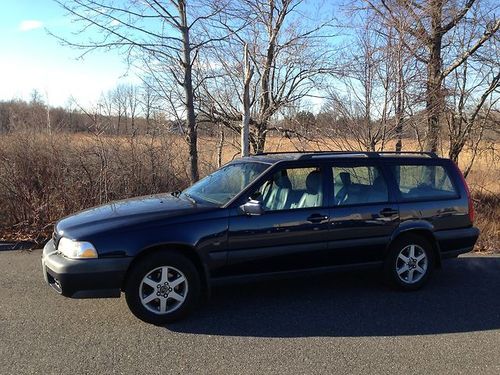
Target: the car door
pixel 290 232
pixel 363 215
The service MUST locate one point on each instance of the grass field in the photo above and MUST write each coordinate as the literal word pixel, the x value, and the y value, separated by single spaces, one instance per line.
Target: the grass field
pixel 44 177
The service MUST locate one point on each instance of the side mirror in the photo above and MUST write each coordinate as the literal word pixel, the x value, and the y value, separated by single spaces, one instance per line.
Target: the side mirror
pixel 252 208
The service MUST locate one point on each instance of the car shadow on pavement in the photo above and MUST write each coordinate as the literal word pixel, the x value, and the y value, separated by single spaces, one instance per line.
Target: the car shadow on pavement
pixel 463 296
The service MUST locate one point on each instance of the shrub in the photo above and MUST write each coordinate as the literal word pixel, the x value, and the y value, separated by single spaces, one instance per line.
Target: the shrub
pixel 45 177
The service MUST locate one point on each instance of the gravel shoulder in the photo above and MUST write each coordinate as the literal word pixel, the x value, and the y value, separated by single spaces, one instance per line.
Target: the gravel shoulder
pixel 344 323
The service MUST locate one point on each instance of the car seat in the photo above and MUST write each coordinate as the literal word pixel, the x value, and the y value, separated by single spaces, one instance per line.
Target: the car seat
pixel 312 197
pixel 277 198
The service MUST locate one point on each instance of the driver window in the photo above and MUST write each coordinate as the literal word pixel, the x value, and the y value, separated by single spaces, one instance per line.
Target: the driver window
pixel 290 189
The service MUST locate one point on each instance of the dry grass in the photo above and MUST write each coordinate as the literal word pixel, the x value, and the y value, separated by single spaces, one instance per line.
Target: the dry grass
pixel 43 177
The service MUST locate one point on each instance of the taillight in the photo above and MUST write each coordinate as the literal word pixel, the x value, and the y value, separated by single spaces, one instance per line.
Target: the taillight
pixel 469 196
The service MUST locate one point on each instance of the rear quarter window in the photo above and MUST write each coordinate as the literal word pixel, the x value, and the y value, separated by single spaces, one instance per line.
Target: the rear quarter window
pixel 423 182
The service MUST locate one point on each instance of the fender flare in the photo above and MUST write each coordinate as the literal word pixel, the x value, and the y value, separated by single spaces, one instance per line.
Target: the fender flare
pixel 419 227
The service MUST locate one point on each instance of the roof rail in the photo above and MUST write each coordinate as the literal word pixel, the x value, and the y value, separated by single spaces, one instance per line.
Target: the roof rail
pixel 426 153
pixel 302 152
pixel 307 154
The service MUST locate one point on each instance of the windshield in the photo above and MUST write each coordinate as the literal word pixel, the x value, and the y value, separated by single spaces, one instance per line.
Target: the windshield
pixel 224 184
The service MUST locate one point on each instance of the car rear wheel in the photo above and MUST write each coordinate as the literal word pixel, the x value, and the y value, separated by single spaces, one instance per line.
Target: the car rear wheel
pixel 162 287
pixel 410 262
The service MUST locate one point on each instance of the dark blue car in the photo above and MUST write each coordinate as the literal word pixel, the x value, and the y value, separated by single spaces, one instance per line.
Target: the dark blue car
pixel 266 215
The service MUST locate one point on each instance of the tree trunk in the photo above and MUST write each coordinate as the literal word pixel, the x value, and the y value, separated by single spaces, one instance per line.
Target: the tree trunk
pixel 434 105
pixel 400 105
pixel 220 146
pixel 148 125
pixel 258 138
pixel 435 100
pixel 192 131
pixel 265 95
pixel 189 95
pixel 455 150
pixel 245 123
pixel 399 132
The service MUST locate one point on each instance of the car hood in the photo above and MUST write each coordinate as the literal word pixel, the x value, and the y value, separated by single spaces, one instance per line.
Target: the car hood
pixel 124 214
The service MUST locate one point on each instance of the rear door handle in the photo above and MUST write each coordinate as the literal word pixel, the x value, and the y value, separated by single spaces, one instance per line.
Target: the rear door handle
pixel 317 218
pixel 389 212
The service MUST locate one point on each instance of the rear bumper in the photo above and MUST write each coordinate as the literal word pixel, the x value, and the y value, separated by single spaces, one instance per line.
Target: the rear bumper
pixel 457 241
pixel 83 278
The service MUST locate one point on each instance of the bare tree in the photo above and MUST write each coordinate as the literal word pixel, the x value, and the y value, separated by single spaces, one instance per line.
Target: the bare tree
pixel 474 93
pixel 161 33
pixel 132 101
pixel 426 27
pixel 474 103
pixel 120 105
pixel 287 47
pixel 364 98
pixel 148 103
pixel 106 104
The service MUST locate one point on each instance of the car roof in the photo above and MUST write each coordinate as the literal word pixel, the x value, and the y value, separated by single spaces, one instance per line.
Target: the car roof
pixel 274 157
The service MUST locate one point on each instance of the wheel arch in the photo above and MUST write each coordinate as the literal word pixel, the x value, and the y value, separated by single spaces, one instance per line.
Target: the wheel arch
pixel 185 250
pixel 422 231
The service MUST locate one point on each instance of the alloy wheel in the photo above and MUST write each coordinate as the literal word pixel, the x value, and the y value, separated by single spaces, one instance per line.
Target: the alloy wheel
pixel 163 290
pixel 411 264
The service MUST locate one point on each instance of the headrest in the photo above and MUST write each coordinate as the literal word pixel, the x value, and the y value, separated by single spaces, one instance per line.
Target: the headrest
pixel 281 180
pixel 313 182
pixel 345 177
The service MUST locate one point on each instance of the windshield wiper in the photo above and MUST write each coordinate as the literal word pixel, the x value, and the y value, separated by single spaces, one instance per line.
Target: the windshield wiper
pixel 176 193
pixel 189 197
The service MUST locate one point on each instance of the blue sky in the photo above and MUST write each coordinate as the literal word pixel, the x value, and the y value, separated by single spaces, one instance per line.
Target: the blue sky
pixel 32 59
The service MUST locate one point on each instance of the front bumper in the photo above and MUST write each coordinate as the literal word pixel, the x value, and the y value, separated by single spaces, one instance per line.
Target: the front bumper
pixel 83 278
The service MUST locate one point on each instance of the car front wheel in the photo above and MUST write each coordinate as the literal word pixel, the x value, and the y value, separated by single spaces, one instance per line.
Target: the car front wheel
pixel 162 287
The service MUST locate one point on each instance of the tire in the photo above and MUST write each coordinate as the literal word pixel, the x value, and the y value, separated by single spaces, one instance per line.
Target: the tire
pixel 162 288
pixel 409 263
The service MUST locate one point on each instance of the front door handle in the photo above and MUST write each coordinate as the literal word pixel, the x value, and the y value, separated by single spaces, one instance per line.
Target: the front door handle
pixel 389 212
pixel 317 218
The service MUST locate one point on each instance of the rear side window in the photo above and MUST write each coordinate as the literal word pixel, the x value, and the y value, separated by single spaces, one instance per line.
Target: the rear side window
pixel 423 182
pixel 359 185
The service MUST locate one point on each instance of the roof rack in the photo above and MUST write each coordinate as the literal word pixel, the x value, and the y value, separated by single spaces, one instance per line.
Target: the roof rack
pixel 308 154
pixel 425 153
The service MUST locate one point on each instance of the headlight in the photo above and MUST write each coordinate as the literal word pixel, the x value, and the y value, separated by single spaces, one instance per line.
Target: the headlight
pixel 76 249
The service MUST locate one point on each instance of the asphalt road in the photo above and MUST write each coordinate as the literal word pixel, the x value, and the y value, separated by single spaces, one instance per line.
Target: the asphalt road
pixel 331 324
